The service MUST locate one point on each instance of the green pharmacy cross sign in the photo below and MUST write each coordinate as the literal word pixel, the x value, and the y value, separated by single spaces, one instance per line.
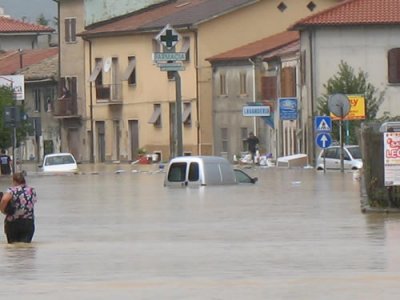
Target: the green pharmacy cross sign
pixel 168 37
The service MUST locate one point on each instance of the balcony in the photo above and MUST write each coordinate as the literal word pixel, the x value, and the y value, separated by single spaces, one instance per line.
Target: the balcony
pixel 66 107
pixel 109 93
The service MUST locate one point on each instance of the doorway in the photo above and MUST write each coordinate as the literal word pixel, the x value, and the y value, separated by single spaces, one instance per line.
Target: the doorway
pixel 134 138
pixel 101 141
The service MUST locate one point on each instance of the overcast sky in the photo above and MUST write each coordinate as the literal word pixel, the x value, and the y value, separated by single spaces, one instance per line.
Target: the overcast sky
pixel 30 9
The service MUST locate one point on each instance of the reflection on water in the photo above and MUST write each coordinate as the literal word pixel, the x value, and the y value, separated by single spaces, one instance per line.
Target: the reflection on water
pixel 296 234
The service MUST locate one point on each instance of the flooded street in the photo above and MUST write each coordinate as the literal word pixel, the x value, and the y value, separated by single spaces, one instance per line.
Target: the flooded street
pixel 295 234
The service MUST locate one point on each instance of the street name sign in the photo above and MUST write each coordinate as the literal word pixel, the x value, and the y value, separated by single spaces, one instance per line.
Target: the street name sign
pixel 169 56
pixel 169 67
pixel 256 111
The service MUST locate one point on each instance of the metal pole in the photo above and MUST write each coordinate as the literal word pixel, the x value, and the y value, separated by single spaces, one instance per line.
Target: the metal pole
pixel 178 109
pixel 341 145
pixel 13 147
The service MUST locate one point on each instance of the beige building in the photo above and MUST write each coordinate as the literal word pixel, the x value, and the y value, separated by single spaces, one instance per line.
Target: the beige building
pixel 70 106
pixel 130 103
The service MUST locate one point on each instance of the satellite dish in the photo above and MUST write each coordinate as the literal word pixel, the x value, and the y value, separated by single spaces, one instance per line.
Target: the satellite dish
pixel 107 64
pixel 339 105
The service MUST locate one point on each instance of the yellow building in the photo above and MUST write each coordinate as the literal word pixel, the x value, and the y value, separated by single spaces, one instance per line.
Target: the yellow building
pixel 130 102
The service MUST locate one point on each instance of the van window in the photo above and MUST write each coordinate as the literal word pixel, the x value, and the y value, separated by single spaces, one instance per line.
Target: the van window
pixel 194 171
pixel 177 172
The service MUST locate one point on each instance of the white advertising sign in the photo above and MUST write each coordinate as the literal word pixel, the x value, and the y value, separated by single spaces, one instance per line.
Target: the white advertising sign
pixel 16 82
pixel 392 158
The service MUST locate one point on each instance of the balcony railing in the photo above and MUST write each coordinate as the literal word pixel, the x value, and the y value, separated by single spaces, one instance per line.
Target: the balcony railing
pixel 109 93
pixel 65 107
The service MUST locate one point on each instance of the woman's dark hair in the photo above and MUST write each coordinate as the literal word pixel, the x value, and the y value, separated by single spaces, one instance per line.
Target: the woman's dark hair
pixel 19 178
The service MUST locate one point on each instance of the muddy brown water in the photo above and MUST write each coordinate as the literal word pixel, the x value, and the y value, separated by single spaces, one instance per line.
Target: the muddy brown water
pixel 110 233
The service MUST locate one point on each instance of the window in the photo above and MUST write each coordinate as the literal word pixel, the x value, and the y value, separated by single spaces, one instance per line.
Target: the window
pixel 224 139
pixel 311 6
pixel 37 96
pixel 70 30
pixel 130 72
pixel 282 6
pixel 243 84
pixel 186 47
pixel 156 46
pixel 177 172
pixel 155 118
pixel 269 87
pixel 303 67
pixel 171 75
pixel 331 153
pixel 187 114
pixel 394 65
pixel 97 75
pixel 48 99
pixel 193 172
pixel 222 84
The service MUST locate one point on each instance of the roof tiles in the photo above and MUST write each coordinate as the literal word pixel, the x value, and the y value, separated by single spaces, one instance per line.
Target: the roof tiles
pixel 176 13
pixel 356 12
pixel 258 47
pixel 8 25
pixel 10 61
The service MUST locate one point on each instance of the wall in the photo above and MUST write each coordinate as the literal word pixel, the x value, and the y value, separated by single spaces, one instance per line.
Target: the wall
pixel 152 87
pixel 222 34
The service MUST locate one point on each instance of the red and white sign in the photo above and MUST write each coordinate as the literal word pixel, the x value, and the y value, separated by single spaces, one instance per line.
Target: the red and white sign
pixel 392 158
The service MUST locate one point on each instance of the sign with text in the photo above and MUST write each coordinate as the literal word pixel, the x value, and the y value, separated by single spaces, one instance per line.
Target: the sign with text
pixel 16 83
pixel 256 111
pixel 288 108
pixel 391 142
pixel 357 108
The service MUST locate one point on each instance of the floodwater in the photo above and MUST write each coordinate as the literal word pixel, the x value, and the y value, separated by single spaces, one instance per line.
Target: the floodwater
pixel 296 234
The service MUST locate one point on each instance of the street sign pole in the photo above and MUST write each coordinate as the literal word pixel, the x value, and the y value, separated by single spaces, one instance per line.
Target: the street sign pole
pixel 178 108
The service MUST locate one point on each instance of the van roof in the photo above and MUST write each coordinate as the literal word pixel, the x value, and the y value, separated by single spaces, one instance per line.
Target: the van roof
pixel 206 159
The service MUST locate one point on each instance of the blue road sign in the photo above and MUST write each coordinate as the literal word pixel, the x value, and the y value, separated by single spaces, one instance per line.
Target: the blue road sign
pixel 323 124
pixel 323 140
pixel 288 108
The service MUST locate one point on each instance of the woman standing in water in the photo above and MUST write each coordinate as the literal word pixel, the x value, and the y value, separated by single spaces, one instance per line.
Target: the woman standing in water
pixel 19 224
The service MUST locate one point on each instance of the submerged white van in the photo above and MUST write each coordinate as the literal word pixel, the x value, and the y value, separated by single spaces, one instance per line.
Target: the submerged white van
pixel 203 170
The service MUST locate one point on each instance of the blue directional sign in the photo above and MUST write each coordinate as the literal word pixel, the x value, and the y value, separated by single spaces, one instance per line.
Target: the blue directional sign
pixel 323 140
pixel 323 124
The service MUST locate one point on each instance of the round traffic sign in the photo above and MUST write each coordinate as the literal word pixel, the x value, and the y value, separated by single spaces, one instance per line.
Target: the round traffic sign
pixel 323 140
pixel 339 105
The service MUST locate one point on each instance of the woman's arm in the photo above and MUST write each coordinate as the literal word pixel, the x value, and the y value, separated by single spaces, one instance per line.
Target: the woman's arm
pixel 4 201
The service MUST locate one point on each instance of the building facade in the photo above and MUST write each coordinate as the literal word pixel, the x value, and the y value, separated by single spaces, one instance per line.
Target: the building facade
pixel 359 33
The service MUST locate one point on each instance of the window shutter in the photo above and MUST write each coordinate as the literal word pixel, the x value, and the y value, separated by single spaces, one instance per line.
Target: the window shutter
pixel 288 82
pixel 73 30
pixel 269 87
pixel 67 34
pixel 394 65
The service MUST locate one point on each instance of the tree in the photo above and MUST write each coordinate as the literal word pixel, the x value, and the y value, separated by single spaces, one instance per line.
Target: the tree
pixel 41 20
pixel 347 82
pixel 6 133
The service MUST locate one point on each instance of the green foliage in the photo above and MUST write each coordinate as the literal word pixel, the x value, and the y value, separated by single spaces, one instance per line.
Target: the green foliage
pixel 41 20
pixel 347 82
pixel 6 134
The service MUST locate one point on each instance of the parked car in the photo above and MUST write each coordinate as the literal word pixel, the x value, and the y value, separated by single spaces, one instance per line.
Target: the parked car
pixel 59 162
pixel 203 170
pixel 351 158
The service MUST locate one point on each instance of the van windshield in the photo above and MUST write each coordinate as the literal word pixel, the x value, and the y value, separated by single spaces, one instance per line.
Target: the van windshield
pixel 177 172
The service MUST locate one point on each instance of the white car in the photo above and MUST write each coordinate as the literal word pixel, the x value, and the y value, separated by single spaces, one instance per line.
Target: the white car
pixel 59 162
pixel 351 158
